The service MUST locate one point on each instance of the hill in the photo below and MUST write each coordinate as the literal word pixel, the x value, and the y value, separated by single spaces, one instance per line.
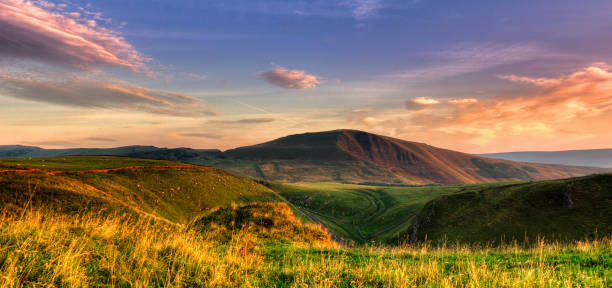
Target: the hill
pixel 570 209
pixel 150 152
pixel 173 191
pixel 366 213
pixel 595 157
pixel 357 157
pixel 347 156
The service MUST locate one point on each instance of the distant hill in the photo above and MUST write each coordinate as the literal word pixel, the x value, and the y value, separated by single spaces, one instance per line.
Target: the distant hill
pixel 151 152
pixel 356 156
pixel 594 157
pixel 340 156
pixel 571 209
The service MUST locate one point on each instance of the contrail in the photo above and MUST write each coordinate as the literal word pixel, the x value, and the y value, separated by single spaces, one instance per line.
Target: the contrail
pixel 267 112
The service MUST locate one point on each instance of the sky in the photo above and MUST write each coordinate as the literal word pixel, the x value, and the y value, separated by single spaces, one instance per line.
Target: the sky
pixel 473 76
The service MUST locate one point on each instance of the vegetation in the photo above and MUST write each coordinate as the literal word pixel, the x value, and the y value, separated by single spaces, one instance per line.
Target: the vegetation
pixel 177 194
pixel 365 213
pixel 39 248
pixel 72 163
pixel 167 224
pixel 563 210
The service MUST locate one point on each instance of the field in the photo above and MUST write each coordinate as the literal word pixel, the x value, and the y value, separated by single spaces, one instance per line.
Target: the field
pixel 365 213
pixel 122 222
pixel 38 248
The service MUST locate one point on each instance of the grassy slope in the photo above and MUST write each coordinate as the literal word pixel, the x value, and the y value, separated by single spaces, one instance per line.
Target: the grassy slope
pixel 363 213
pixel 176 194
pixel 571 209
pixel 92 251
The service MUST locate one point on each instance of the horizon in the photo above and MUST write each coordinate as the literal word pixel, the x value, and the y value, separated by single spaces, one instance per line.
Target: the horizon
pixel 310 132
pixel 227 74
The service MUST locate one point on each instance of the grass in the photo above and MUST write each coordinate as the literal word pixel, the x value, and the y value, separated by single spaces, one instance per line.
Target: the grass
pixel 71 163
pixel 192 227
pixel 174 194
pixel 40 248
pixel 365 213
pixel 570 209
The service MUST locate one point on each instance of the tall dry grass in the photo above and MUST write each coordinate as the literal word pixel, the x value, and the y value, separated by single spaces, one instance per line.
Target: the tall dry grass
pixel 41 249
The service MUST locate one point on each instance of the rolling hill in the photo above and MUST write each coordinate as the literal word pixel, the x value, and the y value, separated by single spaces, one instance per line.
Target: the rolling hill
pixel 570 209
pixel 347 156
pixel 168 190
pixel 594 157
pixel 358 157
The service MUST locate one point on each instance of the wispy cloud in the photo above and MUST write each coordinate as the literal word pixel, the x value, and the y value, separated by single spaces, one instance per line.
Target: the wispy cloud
pixel 202 135
pixel 79 92
pixel 290 79
pixel 36 32
pixel 244 121
pixel 364 9
pixel 469 58
pixel 100 139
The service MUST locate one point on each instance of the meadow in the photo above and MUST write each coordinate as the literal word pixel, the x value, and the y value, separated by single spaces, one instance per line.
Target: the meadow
pixel 368 213
pixel 38 248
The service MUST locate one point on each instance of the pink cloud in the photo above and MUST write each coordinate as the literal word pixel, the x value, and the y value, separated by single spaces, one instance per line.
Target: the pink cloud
pixel 290 79
pixel 35 32
pixel 420 103
pixel 78 92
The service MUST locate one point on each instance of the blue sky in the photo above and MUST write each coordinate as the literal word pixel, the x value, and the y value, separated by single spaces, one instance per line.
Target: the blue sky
pixel 465 75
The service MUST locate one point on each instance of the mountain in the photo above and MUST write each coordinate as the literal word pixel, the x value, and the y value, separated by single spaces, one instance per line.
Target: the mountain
pixel 356 156
pixel 594 157
pixel 340 156
pixel 570 209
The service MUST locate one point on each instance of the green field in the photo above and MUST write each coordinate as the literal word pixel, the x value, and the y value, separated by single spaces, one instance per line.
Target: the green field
pixel 363 213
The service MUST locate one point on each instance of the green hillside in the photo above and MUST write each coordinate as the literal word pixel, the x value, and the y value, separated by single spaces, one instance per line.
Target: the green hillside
pixel 571 209
pixel 171 190
pixel 364 213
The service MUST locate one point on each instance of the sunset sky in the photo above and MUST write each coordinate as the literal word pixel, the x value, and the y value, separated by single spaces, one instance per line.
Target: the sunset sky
pixel 474 76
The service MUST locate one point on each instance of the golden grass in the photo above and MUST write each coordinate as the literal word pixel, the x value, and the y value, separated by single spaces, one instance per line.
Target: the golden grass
pixel 38 248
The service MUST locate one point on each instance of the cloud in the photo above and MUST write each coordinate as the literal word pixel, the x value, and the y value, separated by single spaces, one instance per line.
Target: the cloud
pixel 202 135
pixel 364 9
pixel 78 92
pixel 244 121
pixel 290 79
pixel 39 33
pixel 463 101
pixel 565 112
pixel 100 139
pixel 198 76
pixel 469 58
pixel 420 103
